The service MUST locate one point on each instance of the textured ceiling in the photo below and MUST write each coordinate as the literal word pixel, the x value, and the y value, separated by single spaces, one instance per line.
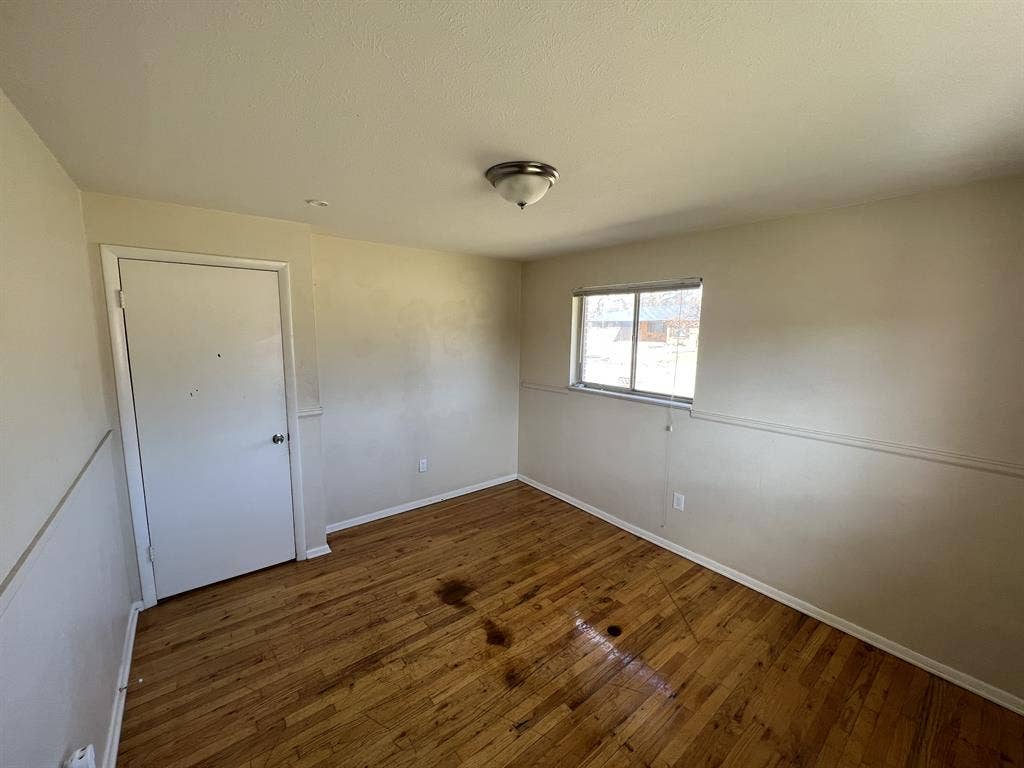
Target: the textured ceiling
pixel 661 117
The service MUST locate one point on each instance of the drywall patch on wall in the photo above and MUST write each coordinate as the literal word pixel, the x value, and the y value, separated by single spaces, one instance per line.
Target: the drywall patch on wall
pixel 418 358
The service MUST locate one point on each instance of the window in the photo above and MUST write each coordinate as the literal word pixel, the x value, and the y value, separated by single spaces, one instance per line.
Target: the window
pixel 639 339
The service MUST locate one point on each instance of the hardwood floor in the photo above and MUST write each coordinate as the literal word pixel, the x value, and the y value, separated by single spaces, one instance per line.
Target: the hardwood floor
pixel 507 628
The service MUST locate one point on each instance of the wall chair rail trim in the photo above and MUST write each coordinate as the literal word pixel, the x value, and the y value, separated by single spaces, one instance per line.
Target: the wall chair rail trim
pixel 986 690
pixel 937 455
pixel 11 582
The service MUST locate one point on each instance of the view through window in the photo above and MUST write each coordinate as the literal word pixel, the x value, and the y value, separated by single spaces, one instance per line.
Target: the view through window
pixel 640 340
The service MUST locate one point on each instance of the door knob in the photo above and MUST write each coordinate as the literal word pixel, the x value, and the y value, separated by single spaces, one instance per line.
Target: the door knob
pixel 278 438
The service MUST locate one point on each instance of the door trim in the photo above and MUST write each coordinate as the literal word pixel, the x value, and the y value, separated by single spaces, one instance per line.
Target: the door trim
pixel 110 255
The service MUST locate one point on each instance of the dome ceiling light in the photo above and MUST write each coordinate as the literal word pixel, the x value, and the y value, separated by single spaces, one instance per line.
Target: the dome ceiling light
pixel 522 182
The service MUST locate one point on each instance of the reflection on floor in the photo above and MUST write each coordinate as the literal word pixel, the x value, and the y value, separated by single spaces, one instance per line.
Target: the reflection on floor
pixel 507 628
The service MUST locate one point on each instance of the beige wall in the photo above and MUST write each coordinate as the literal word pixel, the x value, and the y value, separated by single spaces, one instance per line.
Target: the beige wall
pixel 64 599
pixel 54 348
pixel 418 352
pixel 63 623
pixel 899 321
pixel 149 224
pixel 418 357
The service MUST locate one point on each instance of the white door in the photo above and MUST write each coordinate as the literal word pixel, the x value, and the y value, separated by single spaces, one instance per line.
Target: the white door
pixel 207 371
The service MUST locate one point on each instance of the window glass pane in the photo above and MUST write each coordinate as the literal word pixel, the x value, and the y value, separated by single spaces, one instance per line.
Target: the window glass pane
pixel 666 356
pixel 608 339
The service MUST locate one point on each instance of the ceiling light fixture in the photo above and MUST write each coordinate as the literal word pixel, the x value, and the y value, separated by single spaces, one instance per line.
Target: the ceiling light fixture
pixel 522 182
pixel 317 203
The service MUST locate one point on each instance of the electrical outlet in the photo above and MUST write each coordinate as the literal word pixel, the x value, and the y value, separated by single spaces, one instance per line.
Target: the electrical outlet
pixel 423 464
pixel 82 758
pixel 678 501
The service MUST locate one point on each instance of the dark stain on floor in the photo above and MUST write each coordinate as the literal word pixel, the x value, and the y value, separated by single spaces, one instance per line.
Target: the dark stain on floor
pixel 454 592
pixel 496 635
pixel 512 677
pixel 614 630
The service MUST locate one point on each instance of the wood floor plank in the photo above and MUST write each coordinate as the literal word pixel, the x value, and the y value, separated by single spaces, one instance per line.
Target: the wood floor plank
pixel 507 628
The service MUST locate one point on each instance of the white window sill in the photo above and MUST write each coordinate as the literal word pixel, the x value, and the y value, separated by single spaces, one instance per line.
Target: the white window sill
pixel 664 402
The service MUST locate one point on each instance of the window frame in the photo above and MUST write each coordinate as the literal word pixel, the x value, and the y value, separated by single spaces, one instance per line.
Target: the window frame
pixel 578 295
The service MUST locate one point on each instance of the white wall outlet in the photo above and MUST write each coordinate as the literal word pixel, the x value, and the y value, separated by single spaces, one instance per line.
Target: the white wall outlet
pixel 423 464
pixel 82 758
pixel 678 501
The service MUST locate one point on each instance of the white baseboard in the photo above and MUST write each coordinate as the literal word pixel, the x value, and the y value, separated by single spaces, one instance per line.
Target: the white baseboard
pixel 117 712
pixel 983 689
pixel 317 552
pixel 408 506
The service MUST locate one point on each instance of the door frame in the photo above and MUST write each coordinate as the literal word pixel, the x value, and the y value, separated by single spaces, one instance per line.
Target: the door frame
pixel 110 256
